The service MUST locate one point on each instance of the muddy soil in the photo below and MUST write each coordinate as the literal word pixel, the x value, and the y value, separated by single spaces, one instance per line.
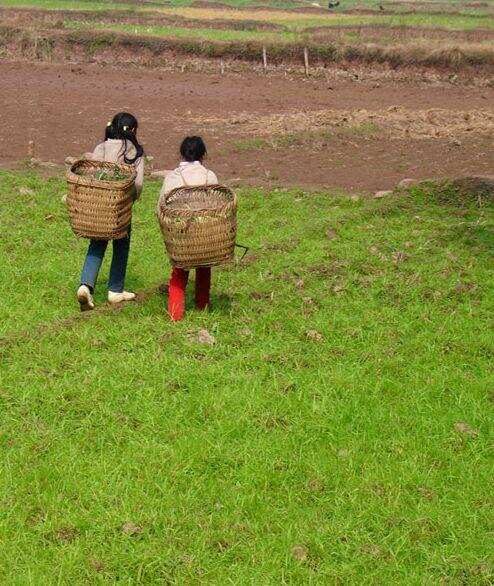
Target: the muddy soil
pixel 63 108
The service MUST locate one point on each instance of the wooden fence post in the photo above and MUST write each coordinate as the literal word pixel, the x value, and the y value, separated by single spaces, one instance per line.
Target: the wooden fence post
pixel 306 60
pixel 222 67
pixel 265 59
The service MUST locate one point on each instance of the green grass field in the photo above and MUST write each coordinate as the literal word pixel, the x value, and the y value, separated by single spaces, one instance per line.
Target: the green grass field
pixel 337 432
pixel 431 6
pixel 292 20
pixel 187 33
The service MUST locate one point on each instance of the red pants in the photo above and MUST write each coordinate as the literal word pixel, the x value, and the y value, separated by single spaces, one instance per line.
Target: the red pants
pixel 177 286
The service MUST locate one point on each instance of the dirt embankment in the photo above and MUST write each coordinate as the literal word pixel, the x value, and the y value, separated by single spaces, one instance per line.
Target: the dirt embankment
pixel 50 18
pixel 52 41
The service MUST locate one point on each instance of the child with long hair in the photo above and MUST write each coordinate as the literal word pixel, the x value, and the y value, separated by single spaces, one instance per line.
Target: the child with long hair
pixel 190 173
pixel 120 146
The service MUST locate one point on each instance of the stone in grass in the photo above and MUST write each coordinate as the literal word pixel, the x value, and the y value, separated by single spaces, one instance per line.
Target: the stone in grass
pixel 406 183
pixel 41 163
pixel 466 429
pixel 204 337
pixel 300 553
pixel 130 528
pixel 380 194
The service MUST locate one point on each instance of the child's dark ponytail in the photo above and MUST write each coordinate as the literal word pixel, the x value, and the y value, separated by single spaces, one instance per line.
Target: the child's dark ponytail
pixel 124 127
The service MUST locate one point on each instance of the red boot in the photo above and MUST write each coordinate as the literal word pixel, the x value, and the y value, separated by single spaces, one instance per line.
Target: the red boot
pixel 203 286
pixel 176 293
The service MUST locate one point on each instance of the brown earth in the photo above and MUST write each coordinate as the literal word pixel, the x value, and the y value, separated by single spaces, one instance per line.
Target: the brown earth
pixel 64 108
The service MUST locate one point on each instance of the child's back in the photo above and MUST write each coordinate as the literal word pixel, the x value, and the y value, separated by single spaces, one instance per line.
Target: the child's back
pixel 188 174
pixel 114 150
pixel 120 146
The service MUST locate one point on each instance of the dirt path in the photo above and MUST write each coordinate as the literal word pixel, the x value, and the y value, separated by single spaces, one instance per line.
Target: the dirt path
pixel 64 108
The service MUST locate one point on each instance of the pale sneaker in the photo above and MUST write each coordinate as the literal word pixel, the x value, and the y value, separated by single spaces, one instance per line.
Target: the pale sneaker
pixel 119 297
pixel 85 298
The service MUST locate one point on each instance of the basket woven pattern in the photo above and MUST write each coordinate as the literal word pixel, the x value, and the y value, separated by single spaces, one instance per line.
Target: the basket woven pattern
pixel 199 225
pixel 99 208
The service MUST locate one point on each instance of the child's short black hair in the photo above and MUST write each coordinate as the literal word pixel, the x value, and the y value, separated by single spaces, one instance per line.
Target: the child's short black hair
pixel 193 149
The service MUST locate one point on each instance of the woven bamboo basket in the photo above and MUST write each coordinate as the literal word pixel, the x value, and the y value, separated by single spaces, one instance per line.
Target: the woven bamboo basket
pixel 100 208
pixel 199 225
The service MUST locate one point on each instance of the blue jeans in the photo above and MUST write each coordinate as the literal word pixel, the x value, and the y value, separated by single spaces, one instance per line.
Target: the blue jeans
pixel 94 259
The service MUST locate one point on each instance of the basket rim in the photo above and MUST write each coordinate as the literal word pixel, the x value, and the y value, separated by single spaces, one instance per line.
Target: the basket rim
pixel 165 209
pixel 74 178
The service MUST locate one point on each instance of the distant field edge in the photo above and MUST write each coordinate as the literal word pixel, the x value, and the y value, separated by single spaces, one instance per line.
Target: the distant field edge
pixel 117 47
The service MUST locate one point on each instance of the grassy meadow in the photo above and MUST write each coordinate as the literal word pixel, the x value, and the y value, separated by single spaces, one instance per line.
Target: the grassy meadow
pixel 336 432
pixel 452 7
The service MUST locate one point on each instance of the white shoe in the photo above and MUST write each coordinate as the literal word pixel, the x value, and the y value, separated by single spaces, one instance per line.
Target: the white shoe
pixel 85 298
pixel 119 297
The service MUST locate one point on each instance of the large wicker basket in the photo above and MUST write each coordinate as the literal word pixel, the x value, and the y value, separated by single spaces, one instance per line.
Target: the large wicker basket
pixel 199 225
pixel 100 208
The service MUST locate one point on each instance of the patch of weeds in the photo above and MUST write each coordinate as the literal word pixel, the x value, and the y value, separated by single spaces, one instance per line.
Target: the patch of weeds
pixel 462 192
pixel 249 144
pixel 317 139
pixel 364 129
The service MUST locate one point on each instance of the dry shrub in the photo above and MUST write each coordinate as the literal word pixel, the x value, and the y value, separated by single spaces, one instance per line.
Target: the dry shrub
pixel 398 122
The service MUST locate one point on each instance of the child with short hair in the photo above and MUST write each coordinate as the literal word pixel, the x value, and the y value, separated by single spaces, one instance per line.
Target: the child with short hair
pixel 190 173
pixel 120 146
